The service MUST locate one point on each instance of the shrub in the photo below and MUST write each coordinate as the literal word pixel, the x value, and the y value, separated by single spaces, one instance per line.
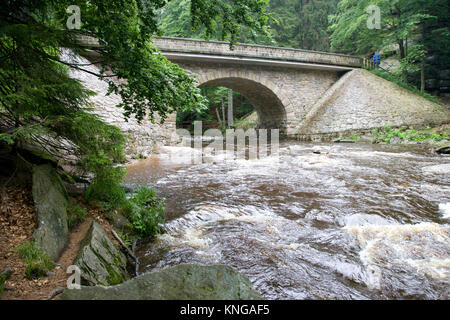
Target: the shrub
pixel 38 262
pixel 386 133
pixel 106 188
pixel 3 278
pixel 125 237
pixel 76 215
pixel 145 211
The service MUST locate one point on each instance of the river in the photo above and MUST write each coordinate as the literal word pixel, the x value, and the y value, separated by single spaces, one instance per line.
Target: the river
pixel 320 221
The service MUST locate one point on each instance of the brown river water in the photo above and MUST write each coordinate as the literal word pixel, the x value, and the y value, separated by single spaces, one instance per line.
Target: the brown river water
pixel 353 222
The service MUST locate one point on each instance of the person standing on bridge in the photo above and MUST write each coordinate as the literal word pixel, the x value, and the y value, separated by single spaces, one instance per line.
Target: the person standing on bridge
pixel 376 59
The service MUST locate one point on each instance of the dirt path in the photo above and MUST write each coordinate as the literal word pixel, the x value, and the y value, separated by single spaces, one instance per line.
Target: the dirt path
pixel 17 221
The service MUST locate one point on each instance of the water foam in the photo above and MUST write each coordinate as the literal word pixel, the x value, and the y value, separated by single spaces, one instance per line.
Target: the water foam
pixel 425 247
pixel 445 209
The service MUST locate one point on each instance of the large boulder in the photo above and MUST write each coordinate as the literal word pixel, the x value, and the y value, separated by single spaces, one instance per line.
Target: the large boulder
pixel 182 282
pixel 50 201
pixel 100 262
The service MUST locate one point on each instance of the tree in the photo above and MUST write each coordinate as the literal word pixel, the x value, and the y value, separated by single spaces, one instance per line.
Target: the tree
pixel 399 22
pixel 293 23
pixel 41 106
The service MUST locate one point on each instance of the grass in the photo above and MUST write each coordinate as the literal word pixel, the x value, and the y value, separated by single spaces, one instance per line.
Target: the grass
pixel 385 135
pixel 38 262
pixel 75 215
pixel 2 282
pixel 387 76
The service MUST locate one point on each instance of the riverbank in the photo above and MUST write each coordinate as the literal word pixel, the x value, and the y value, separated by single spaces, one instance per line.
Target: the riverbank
pixel 17 222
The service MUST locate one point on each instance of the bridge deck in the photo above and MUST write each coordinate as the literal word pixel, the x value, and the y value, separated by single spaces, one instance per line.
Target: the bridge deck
pixel 192 48
pixel 219 52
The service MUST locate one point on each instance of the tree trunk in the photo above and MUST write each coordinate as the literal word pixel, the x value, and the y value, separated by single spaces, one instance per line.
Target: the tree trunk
pixel 422 68
pixel 401 45
pixel 218 118
pixel 422 76
pixel 230 108
pixel 224 119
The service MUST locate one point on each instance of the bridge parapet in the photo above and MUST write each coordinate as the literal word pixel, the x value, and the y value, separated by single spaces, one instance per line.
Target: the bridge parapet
pixel 194 46
pixel 217 48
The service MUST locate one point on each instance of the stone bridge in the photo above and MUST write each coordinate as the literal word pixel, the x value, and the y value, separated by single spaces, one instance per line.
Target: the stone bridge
pixel 282 84
pixel 306 94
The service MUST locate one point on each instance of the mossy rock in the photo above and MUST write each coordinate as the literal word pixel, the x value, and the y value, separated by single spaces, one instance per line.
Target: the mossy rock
pixel 50 201
pixel 182 282
pixel 100 262
pixel 444 149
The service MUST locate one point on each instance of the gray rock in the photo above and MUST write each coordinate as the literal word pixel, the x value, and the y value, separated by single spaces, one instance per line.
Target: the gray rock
pixel 182 282
pixel 443 148
pixel 120 223
pixel 439 169
pixel 100 262
pixel 396 140
pixel 50 201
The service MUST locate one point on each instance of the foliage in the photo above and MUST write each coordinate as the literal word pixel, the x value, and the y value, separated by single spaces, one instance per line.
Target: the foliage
pixel 396 80
pixel 294 23
pixel 76 215
pixel 106 188
pixel 385 135
pixel 145 211
pixel 125 237
pixel 41 105
pixel 3 279
pixel 216 97
pixel 38 262
pixel 351 34
pixel 419 30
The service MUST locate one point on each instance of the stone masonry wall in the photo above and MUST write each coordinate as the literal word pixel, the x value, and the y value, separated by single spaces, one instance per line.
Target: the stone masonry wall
pixel 366 101
pixel 143 137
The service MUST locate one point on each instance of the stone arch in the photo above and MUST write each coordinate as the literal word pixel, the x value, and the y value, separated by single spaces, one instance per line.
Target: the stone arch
pixel 268 99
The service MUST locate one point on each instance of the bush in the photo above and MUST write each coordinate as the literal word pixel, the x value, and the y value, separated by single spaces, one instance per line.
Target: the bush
pixel 386 133
pixel 125 237
pixel 145 211
pixel 38 262
pixel 76 215
pixel 106 188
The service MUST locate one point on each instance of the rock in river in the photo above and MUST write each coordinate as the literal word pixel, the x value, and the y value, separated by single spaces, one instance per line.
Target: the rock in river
pixel 100 262
pixel 50 201
pixel 182 282
pixel 444 148
pixel 439 169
